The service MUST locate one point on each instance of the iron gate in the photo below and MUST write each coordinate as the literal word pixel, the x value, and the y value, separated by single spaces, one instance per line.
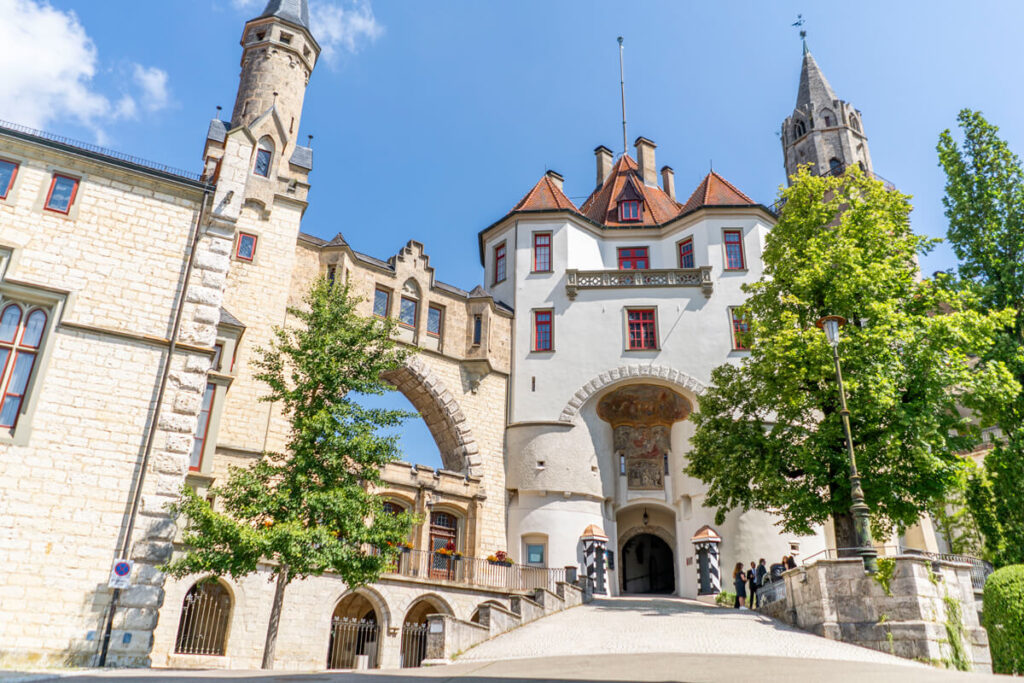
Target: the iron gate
pixel 414 645
pixel 203 626
pixel 352 638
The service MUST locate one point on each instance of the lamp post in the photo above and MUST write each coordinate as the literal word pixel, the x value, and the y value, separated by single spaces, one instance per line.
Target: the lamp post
pixel 830 324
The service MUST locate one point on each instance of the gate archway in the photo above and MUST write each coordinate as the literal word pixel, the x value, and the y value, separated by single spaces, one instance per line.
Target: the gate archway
pixel 437 405
pixel 414 629
pixel 355 633
pixel 648 565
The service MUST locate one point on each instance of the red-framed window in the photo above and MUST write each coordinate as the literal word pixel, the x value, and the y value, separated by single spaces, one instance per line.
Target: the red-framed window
pixel 202 429
pixel 634 258
pixel 61 196
pixel 543 331
pixel 686 259
pixel 407 311
pixel 629 210
pixel 542 252
pixel 8 172
pixel 643 328
pixel 740 329
pixel 499 263
pixel 734 259
pixel 381 302
pixel 245 249
pixel 21 335
pixel 435 320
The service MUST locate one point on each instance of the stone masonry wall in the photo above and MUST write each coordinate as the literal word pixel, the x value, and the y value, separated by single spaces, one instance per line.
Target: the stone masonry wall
pixel 837 599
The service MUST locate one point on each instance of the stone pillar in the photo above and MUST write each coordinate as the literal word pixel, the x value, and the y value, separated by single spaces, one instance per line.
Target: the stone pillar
pixel 135 616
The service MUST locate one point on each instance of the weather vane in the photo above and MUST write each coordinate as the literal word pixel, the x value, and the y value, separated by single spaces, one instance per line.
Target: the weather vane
pixel 803 33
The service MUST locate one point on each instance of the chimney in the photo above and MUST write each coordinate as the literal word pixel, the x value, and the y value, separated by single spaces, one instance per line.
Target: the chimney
pixel 645 160
pixel 668 182
pixel 603 155
pixel 556 178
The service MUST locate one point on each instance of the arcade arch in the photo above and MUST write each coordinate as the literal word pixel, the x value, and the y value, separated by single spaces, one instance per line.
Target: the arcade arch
pixel 355 632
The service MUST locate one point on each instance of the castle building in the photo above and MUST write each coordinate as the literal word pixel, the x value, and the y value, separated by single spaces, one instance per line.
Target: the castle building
pixel 133 297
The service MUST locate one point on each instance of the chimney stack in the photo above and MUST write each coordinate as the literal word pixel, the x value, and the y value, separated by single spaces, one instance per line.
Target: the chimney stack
pixel 645 160
pixel 556 178
pixel 668 182
pixel 603 155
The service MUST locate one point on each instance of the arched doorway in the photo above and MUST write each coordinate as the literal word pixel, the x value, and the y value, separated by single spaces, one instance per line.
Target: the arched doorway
pixel 355 634
pixel 414 629
pixel 648 565
pixel 205 614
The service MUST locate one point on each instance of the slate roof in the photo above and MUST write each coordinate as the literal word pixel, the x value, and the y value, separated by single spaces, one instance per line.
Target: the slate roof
pixel 293 11
pixel 814 88
pixel 218 131
pixel 227 319
pixel 715 190
pixel 302 157
pixel 545 196
pixel 602 206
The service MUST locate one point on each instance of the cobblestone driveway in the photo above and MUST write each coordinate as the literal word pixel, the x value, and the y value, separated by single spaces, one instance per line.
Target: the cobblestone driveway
pixel 646 625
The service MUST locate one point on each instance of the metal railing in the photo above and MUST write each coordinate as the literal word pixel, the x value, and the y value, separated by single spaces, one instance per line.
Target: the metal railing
pixel 97 150
pixel 576 280
pixel 414 645
pixel 770 592
pixel 350 640
pixel 203 626
pixel 980 569
pixel 474 571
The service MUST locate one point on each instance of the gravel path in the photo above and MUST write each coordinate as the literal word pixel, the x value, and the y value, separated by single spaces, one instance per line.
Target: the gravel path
pixel 648 625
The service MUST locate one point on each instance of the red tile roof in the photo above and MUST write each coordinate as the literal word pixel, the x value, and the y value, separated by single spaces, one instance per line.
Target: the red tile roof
pixel 545 196
pixel 715 190
pixel 602 205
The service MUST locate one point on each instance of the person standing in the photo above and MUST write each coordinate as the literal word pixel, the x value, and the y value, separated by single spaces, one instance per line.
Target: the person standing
pixel 790 562
pixel 739 581
pixel 762 571
pixel 752 583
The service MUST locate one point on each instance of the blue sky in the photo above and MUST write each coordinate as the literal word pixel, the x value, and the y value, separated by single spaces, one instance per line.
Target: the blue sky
pixel 430 120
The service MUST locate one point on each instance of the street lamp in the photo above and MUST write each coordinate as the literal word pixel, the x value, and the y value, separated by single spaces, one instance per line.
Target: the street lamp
pixel 830 324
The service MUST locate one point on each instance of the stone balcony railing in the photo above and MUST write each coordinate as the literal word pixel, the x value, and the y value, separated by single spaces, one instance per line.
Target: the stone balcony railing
pixel 576 280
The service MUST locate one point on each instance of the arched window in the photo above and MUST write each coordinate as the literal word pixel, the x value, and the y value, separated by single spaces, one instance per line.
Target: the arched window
pixel 444 541
pixel 828 118
pixel 203 626
pixel 799 129
pixel 408 307
pixel 20 338
pixel 264 156
pixel 854 123
pixel 835 167
pixel 392 508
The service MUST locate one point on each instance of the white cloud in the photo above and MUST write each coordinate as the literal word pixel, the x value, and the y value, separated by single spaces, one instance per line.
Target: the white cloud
pixel 153 83
pixel 49 63
pixel 338 26
pixel 344 28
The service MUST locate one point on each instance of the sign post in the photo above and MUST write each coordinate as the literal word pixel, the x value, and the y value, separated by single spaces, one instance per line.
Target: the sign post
pixel 120 574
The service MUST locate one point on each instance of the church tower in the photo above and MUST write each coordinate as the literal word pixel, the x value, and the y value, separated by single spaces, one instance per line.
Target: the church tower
pixel 823 130
pixel 279 53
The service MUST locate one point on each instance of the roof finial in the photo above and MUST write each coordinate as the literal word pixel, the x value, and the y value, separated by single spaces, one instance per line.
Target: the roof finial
pixel 803 33
pixel 622 90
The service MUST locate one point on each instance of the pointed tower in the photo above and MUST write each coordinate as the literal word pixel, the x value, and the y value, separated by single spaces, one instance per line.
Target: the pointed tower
pixel 823 130
pixel 279 53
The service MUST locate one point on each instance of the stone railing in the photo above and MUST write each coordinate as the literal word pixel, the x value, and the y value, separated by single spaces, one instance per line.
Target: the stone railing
pixel 576 280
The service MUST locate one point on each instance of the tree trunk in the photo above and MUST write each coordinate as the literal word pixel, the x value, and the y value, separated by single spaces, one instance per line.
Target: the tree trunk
pixel 846 535
pixel 275 618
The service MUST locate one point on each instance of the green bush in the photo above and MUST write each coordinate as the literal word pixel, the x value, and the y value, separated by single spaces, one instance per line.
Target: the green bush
pixel 725 599
pixel 1004 619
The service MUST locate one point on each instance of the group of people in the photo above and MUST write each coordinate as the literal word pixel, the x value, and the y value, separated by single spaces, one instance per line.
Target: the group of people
pixel 749 580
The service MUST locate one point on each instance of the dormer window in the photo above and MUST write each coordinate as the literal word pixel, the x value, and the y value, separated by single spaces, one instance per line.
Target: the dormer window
pixel 264 155
pixel 799 129
pixel 629 210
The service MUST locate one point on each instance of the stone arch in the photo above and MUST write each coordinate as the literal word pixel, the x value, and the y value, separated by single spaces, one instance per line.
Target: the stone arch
pixel 627 373
pixel 442 413
pixel 435 602
pixel 372 596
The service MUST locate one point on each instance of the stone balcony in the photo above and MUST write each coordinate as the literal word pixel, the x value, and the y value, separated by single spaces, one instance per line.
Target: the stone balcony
pixel 576 280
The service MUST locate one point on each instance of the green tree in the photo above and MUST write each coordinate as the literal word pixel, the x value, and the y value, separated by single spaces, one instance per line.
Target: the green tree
pixel 768 433
pixel 984 203
pixel 311 509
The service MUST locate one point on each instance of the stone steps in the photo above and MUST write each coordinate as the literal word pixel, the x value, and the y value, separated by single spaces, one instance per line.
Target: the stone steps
pixel 448 637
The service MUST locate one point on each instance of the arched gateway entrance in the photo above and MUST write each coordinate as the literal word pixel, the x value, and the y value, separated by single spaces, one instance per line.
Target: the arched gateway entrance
pixel 648 565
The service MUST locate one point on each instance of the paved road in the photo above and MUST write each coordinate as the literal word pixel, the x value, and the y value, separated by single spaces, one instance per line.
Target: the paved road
pixel 619 641
pixel 638 625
